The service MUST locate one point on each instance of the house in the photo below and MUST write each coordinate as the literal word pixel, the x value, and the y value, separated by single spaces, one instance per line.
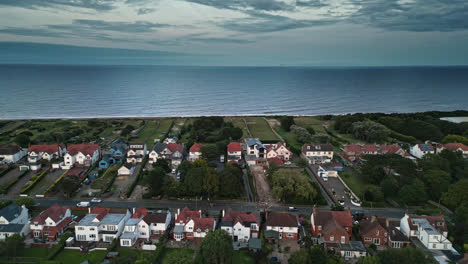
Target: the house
pixel 334 227
pixel 457 147
pixel 234 152
pixel 136 152
pixel 51 223
pixel 395 149
pixel 11 154
pixel 241 226
pixel 114 154
pixel 317 153
pixel 277 161
pixel 352 250
pixel 355 151
pixel 101 225
pixel 171 140
pixel 374 231
pixel 172 152
pixel 278 150
pixel 45 152
pixel 410 229
pixel 106 161
pixel 419 150
pixel 191 225
pixel 144 224
pixel 14 219
pixel 126 170
pixel 195 152
pixel 284 223
pixel 430 237
pixel 396 239
pixel 255 152
pixel 81 154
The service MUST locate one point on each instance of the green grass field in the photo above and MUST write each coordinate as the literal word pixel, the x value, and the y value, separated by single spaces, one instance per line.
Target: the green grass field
pixel 72 256
pixel 153 129
pixel 290 138
pixel 242 257
pixel 311 121
pixel 354 183
pixel 171 253
pixel 238 122
pixel 260 129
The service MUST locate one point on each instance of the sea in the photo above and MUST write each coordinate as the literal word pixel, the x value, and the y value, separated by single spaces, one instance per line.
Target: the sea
pixel 82 91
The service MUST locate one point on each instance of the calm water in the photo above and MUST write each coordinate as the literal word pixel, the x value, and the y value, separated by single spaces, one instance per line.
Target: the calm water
pixel 33 91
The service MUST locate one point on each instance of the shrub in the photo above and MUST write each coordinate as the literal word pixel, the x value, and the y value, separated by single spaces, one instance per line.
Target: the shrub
pixel 56 250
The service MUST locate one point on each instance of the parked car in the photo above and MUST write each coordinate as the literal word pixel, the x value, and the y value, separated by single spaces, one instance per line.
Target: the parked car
pixel 221 158
pixel 83 204
pixel 96 200
pixel 287 163
pixel 174 171
pixel 52 170
pixel 112 255
pixel 292 209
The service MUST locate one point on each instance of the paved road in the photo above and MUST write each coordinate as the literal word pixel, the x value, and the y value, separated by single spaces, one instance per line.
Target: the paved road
pixel 324 193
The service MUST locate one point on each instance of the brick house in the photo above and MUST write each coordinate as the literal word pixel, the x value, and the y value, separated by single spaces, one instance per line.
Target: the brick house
pixel 51 223
pixel 332 226
pixel 374 231
pixel 283 223
pixel 192 225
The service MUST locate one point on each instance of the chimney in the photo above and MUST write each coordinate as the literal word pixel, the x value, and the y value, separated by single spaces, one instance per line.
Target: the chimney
pixel 373 218
pixel 349 210
pixel 178 211
pixel 89 210
pixel 387 223
pixel 200 213
pixel 133 210
pixel 223 213
pixel 313 211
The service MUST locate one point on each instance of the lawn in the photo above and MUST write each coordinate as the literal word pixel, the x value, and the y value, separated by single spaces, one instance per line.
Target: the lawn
pixel 71 256
pixel 242 257
pixel 238 122
pixel 36 252
pixel 311 121
pixel 354 183
pixel 290 139
pixel 103 181
pixel 153 129
pixel 171 253
pixel 259 128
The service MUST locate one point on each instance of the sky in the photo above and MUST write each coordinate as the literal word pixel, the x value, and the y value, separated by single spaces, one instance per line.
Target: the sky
pixel 235 32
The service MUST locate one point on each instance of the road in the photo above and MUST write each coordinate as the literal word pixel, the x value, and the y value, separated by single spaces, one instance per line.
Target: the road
pixel 248 191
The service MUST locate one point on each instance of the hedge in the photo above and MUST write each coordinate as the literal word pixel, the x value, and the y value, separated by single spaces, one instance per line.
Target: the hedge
pixel 404 138
pixel 56 250
pixel 4 188
pixel 56 181
pixel 38 178
pixel 5 171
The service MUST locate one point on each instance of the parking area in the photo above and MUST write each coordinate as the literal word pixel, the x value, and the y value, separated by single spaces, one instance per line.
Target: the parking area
pixel 122 183
pixel 334 187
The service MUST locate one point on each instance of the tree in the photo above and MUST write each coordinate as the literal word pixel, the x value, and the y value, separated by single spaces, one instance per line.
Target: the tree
pixel 68 185
pixel 456 194
pixel 437 182
pixel 389 186
pixel 193 181
pixel 178 259
pixel 26 201
pixel 163 164
pixel 302 135
pixel 12 246
pixel 302 163
pixel 216 248
pixel 370 131
pixel 293 186
pixel 455 138
pixel 311 130
pixel 300 257
pixel 231 179
pixel 184 168
pixel 209 152
pixel 287 122
pixel 407 255
pixel 157 179
pixel 414 193
pixel 210 182
pixel 22 140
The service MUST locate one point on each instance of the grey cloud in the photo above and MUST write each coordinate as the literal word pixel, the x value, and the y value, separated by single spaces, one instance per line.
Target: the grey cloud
pixel 264 5
pixel 311 3
pixel 222 40
pixel 143 11
pixel 98 5
pixel 35 32
pixel 127 27
pixel 416 15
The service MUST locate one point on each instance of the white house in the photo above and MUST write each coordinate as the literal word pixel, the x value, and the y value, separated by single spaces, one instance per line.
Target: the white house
pixel 278 150
pixel 284 223
pixel 430 230
pixel 45 152
pixel 191 225
pixel 11 154
pixel 136 152
pixel 14 219
pixel 81 154
pixel 419 150
pixel 317 153
pixel 241 226
pixel 101 225
pixel 126 170
pixel 51 223
pixel 234 152
pixel 195 152
pixel 172 152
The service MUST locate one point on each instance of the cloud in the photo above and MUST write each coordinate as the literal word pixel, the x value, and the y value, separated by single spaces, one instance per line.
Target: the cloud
pixel 118 26
pixel 311 3
pixel 35 32
pixel 412 15
pixel 143 11
pixel 264 5
pixel 222 40
pixel 98 5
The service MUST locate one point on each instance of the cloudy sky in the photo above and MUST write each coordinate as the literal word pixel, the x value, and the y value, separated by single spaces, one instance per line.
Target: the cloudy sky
pixel 236 32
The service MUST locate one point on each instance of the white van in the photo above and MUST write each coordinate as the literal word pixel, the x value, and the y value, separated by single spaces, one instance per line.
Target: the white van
pixel 324 176
pixel 83 204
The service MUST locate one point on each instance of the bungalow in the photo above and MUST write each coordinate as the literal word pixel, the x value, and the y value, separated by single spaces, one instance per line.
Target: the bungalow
pixel 143 225
pixel 457 147
pixel 51 223
pixel 395 149
pixel 241 226
pixel 126 170
pixel 374 231
pixel 195 152
pixel 334 227
pixel 192 225
pixel 172 152
pixel 14 219
pixel 101 225
pixel 284 223
pixel 46 152
pixel 317 153
pixel 11 154
pixel 256 152
pixel 419 150
pixel 278 150
pixel 234 152
pixel 81 154
pixel 136 152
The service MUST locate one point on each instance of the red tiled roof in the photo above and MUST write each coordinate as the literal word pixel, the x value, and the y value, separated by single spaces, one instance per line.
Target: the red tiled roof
pixel 390 149
pixel 239 217
pixel 353 148
pixel 276 161
pixel 54 229
pixel 86 149
pixel 196 147
pixel 101 212
pixel 186 215
pixel 370 148
pixel 203 223
pixel 343 218
pixel 281 219
pixel 44 148
pixel 55 212
pixel 141 211
pixel 174 147
pixel 456 146
pixel 234 147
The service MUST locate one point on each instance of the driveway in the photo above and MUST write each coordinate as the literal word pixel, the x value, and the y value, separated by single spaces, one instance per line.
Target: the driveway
pixel 264 192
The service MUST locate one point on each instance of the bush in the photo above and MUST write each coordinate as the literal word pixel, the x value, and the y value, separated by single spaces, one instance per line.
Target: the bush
pixel 35 181
pixel 56 250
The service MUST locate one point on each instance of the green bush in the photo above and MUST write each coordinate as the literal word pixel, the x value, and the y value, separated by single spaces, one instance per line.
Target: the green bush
pixel 35 181
pixel 56 250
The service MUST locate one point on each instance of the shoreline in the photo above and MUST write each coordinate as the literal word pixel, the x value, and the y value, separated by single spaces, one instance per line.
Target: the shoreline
pixel 240 115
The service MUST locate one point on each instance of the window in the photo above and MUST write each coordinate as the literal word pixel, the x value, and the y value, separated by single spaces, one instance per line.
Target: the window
pixel 343 240
pixel 434 245
pixel 111 228
pixel 289 235
pixel 92 236
pixel 81 228
pixel 385 234
pixel 91 229
pixel 367 239
pixel 143 233
pixel 125 242
pixel 445 246
pixel 37 233
pixel 332 238
pixel 319 228
pixel 81 237
pixel 377 241
pixel 377 232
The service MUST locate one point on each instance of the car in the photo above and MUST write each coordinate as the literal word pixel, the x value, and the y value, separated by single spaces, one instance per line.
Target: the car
pixel 96 200
pixel 292 209
pixel 274 260
pixel 287 163
pixel 174 171
pixel 341 202
pixel 52 170
pixel 83 204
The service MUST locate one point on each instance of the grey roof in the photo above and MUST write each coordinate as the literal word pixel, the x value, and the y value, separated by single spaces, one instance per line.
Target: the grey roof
pixel 11 228
pixel 9 149
pixel 425 147
pixel 426 226
pixel 132 221
pixel 11 212
pixel 128 166
pixel 254 141
pixel 88 220
pixel 353 246
pixel 128 235
pixel 112 219
pixel 159 147
pixel 178 229
pixel 255 243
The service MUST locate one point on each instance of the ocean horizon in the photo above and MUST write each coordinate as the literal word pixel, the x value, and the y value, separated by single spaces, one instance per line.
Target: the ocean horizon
pixel 125 91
